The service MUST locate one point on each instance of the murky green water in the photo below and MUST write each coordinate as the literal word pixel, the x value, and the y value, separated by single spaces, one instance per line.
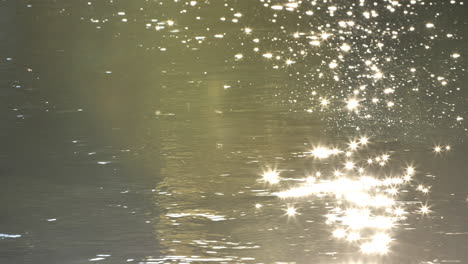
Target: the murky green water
pixel 138 131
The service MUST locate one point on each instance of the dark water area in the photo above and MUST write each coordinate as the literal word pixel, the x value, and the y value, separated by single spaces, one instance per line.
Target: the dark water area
pixel 144 131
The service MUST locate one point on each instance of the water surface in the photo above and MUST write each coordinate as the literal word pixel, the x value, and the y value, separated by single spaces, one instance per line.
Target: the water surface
pixel 138 131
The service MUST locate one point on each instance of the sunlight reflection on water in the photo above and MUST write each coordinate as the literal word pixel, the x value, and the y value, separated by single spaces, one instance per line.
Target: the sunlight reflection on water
pixel 181 103
pixel 368 204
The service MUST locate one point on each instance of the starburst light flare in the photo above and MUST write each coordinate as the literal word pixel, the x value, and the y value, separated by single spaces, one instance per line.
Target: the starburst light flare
pixel 366 202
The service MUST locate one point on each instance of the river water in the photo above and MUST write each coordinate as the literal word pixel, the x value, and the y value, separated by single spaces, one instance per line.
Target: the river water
pixel 230 131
